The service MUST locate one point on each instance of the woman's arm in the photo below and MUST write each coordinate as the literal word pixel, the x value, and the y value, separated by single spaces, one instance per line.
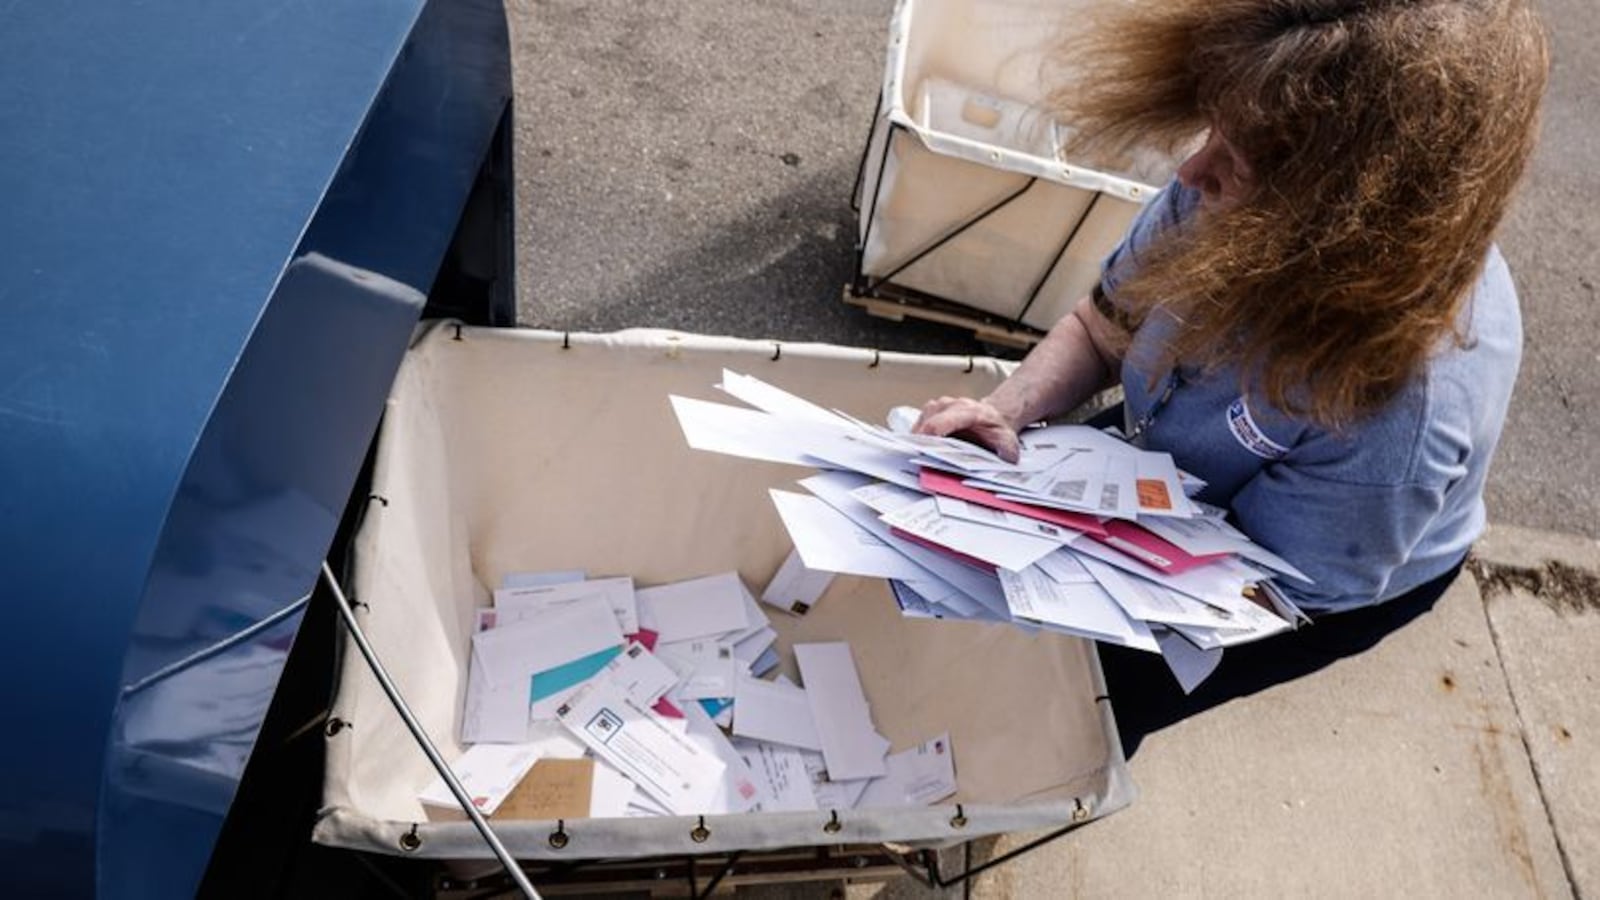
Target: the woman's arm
pixel 1079 357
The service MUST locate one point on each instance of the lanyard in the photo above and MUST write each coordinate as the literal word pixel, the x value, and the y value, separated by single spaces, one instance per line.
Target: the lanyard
pixel 1149 417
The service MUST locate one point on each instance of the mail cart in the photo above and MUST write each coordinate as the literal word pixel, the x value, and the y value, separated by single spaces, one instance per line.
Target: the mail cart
pixel 969 211
pixel 572 460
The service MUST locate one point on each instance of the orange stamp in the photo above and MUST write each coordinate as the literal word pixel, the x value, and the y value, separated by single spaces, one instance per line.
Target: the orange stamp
pixel 1153 494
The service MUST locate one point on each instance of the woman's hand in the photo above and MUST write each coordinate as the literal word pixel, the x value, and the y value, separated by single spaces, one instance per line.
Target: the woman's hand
pixel 1077 358
pixel 975 420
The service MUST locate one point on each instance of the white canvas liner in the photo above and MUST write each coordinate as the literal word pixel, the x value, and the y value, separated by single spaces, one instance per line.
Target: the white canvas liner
pixel 507 450
pixel 962 125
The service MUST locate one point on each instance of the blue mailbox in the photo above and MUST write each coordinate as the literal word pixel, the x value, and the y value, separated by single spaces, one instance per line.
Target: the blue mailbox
pixel 222 221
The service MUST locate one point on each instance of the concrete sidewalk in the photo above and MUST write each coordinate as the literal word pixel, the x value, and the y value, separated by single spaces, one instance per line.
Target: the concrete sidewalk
pixel 1459 757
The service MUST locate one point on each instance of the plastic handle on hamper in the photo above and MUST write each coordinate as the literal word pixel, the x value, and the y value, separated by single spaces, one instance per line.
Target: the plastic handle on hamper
pixel 513 870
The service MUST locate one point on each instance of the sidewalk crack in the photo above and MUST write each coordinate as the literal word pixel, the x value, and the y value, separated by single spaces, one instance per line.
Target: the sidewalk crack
pixel 1494 582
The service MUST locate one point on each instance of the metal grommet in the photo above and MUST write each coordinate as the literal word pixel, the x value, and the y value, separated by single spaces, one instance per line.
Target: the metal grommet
pixel 701 833
pixel 411 842
pixel 334 726
pixel 959 820
pixel 1081 812
pixel 833 825
pixel 559 838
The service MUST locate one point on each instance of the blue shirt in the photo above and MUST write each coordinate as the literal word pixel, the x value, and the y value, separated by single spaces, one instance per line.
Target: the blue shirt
pixel 1370 512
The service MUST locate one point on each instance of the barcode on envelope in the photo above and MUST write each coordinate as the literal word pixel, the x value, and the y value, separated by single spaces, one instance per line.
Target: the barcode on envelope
pixel 1070 491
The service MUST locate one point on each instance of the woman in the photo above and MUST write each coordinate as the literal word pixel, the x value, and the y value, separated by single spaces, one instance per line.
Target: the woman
pixel 1312 318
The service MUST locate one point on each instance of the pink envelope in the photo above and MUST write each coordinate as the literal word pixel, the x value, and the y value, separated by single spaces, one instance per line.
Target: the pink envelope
pixel 1129 539
pixel 936 482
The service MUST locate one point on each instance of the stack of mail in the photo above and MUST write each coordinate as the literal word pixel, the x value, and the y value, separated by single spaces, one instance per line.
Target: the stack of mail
pixel 594 698
pixel 1084 534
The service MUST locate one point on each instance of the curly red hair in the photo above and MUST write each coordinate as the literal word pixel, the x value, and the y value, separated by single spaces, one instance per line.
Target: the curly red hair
pixel 1386 137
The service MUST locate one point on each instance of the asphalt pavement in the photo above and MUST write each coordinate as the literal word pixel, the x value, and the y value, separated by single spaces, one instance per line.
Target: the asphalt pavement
pixel 689 166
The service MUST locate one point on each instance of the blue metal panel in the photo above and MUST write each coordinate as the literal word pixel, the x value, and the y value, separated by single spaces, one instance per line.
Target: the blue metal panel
pixel 220 219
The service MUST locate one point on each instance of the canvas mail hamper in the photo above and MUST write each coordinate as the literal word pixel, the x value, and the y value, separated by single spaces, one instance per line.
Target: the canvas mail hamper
pixel 965 198
pixel 513 450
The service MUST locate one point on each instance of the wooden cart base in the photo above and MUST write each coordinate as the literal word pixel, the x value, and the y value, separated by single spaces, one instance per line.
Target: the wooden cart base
pixel 895 304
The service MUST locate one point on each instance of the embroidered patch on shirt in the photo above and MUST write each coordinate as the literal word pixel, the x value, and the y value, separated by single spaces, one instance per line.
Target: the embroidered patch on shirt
pixel 1245 432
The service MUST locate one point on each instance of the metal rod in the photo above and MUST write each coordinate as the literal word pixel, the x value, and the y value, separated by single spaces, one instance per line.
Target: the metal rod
pixel 872 211
pixel 970 872
pixel 959 230
pixel 205 653
pixel 911 871
pixel 866 150
pixel 489 837
pixel 722 873
pixel 1071 235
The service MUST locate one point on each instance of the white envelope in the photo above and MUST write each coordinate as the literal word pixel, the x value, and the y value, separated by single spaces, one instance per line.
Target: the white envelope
pixel 1159 490
pixel 779 713
pixel 1084 609
pixel 642 804
pixel 750 649
pixel 882 497
pixel 830 794
pixel 1219 583
pixel 999 546
pixel 851 745
pixel 938 599
pixel 610 792
pixel 717 428
pixel 912 604
pixel 1119 491
pixel 681 775
pixel 1202 536
pixel 920 776
pixel 705 666
pixel 796 588
pixel 491 771
pixel 1250 623
pixel 642 674
pixel 1144 599
pixel 829 541
pixel 781 773
pixel 1189 664
pixel 516 604
pixel 712 605
pixel 954 508
pixel 858 454
pixel 493 715
pixel 754 616
pixel 537 579
pixel 740 790
pixel 836 489
pixel 766 662
pixel 488 773
pixel 511 654
pixel 1065 568
pixel 775 400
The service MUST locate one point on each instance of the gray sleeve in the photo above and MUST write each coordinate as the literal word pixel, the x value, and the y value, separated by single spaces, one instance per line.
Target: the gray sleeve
pixel 1164 211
